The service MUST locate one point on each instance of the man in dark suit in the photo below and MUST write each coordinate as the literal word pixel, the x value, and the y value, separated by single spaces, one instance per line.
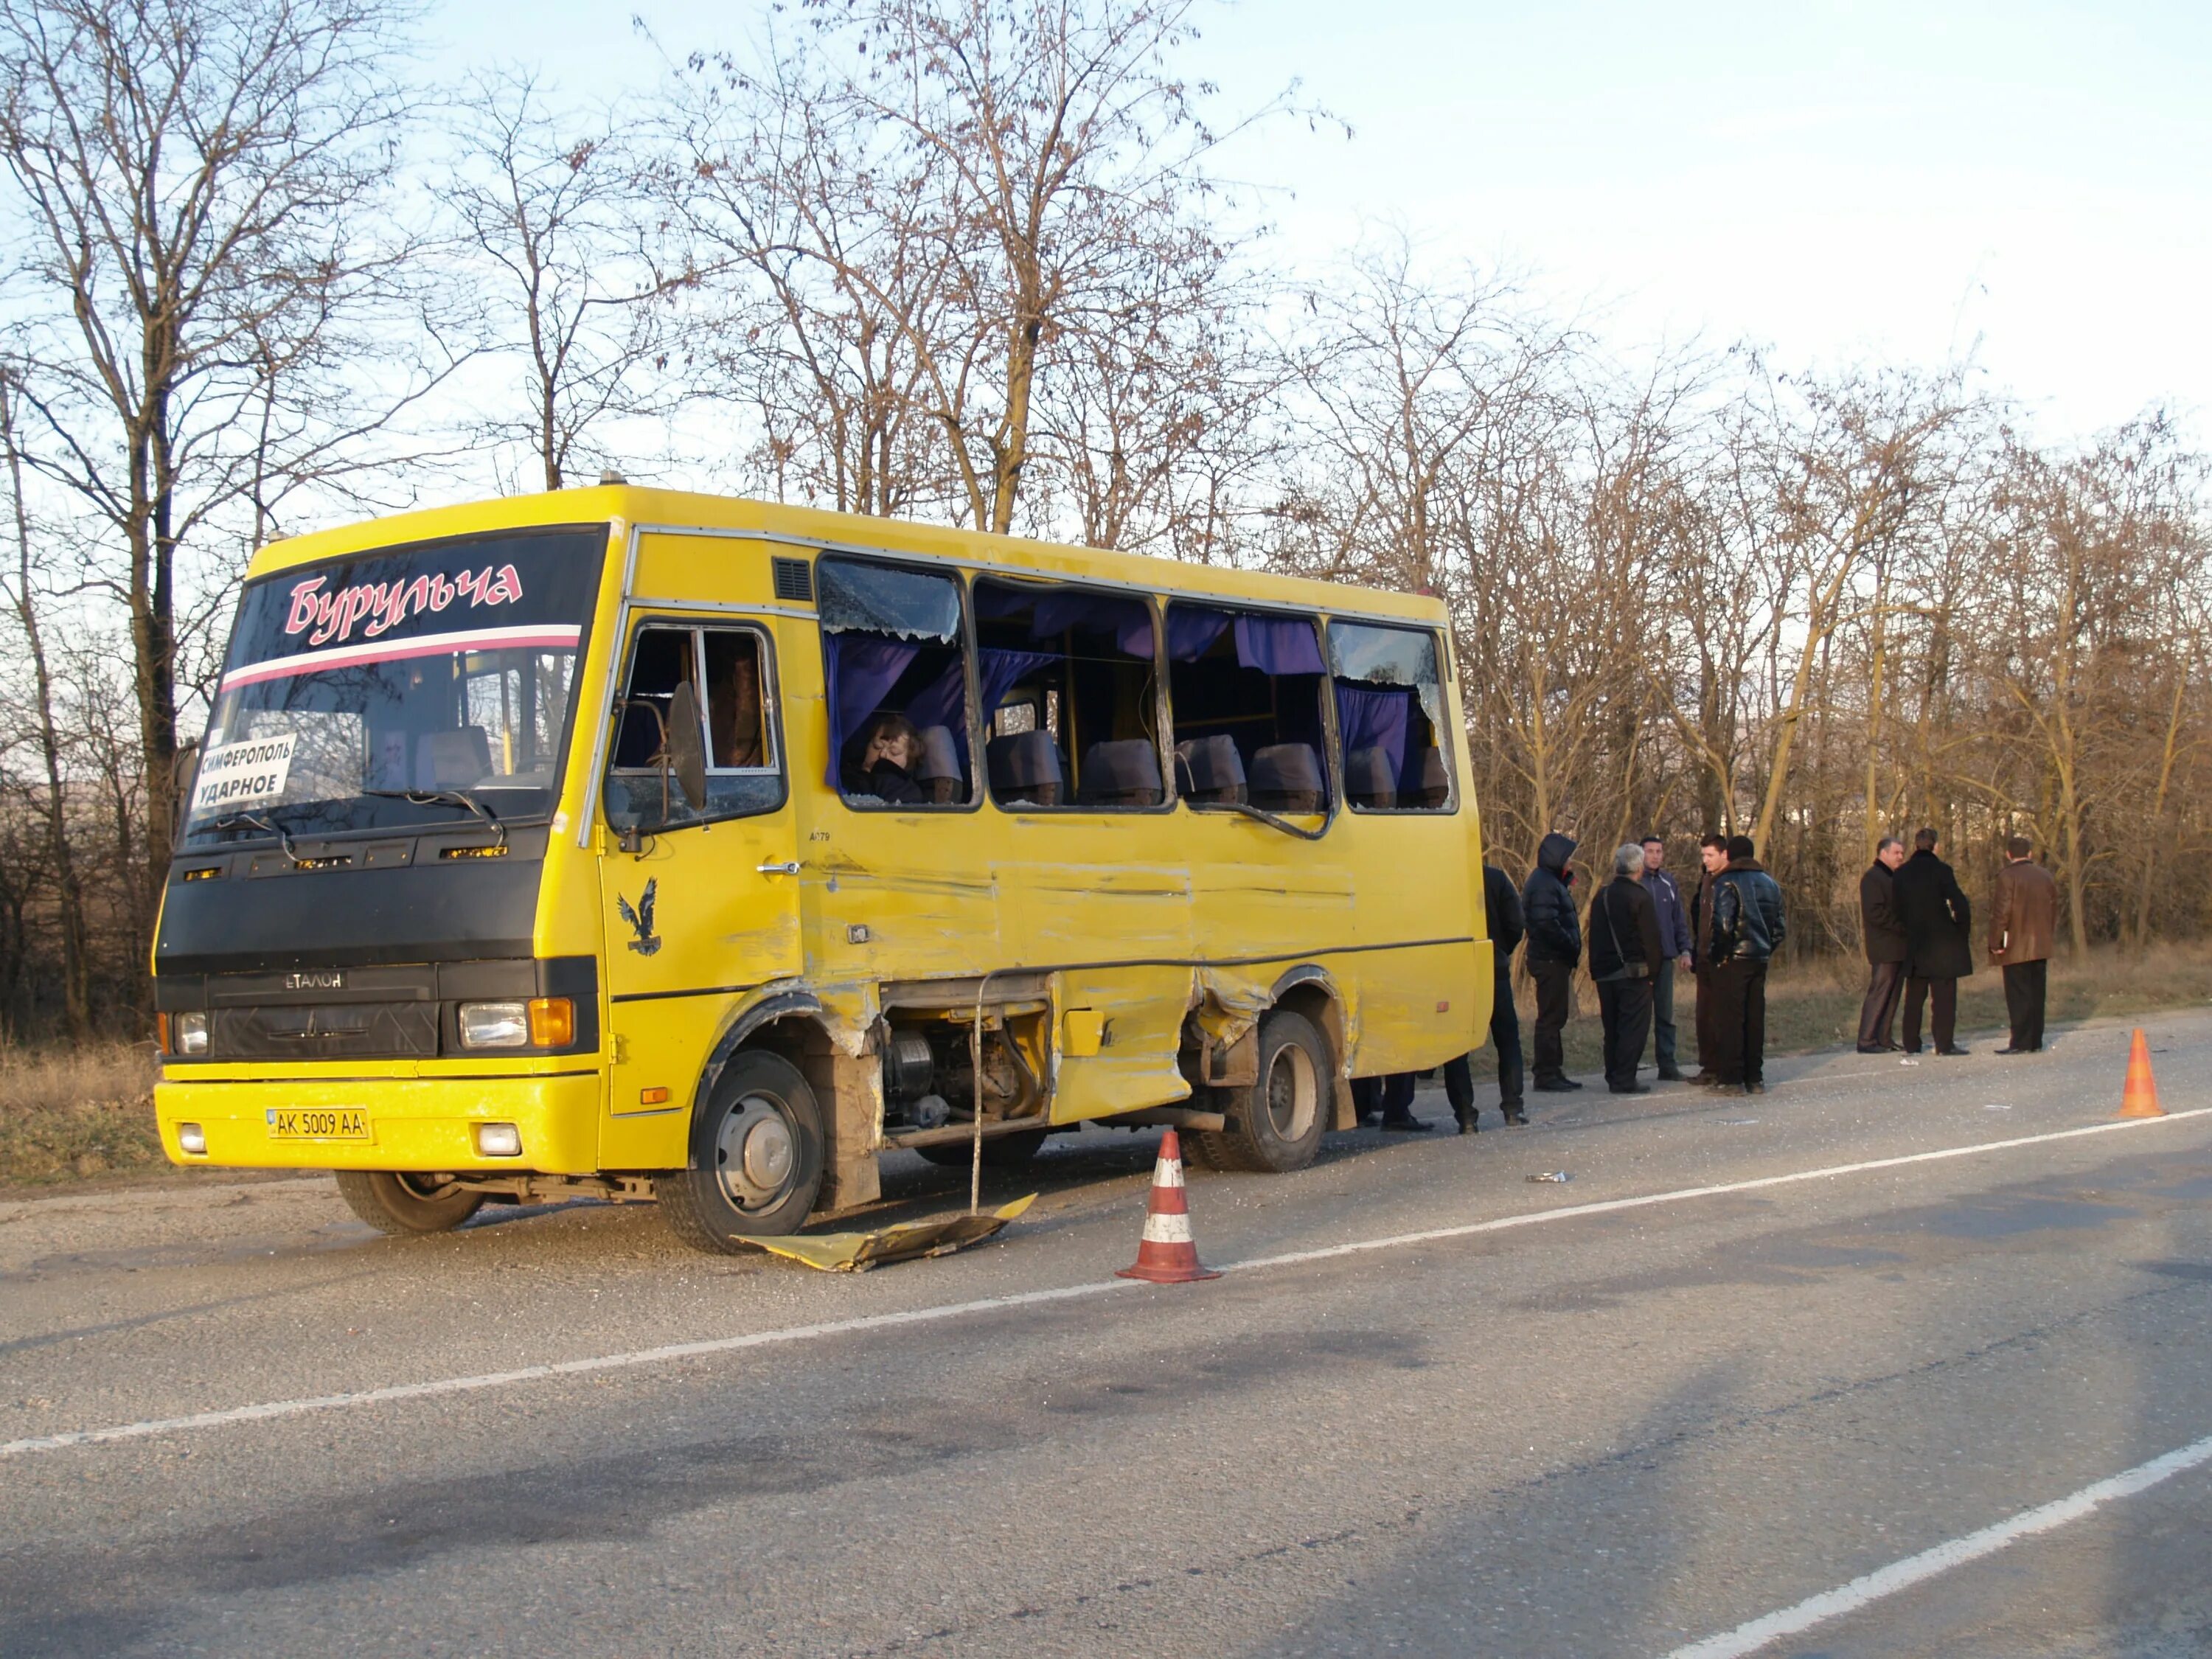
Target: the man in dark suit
pixel 1939 948
pixel 1501 905
pixel 2023 931
pixel 1886 947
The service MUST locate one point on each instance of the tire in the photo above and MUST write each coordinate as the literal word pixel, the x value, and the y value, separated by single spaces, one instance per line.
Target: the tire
pixel 1276 1125
pixel 999 1151
pixel 756 1158
pixel 404 1205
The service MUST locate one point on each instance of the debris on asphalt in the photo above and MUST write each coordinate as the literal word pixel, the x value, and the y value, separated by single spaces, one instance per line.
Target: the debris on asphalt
pixel 1739 1120
pixel 849 1253
pixel 1996 1106
pixel 1552 1175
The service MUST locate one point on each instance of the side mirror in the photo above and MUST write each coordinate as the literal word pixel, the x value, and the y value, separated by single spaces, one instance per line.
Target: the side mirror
pixel 684 749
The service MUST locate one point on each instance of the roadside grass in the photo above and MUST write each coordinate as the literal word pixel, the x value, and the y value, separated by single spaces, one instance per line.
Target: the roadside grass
pixel 66 1114
pixel 1816 1005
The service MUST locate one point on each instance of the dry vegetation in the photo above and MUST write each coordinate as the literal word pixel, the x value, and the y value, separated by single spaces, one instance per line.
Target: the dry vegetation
pixel 70 1112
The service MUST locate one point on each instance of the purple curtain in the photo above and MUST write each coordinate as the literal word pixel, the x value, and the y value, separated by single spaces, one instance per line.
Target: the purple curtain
pixel 1192 631
pixel 944 702
pixel 861 668
pixel 1378 718
pixel 1278 644
pixel 1000 670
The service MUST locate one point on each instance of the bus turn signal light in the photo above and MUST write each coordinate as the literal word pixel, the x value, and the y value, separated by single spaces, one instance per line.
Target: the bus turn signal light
pixel 552 1022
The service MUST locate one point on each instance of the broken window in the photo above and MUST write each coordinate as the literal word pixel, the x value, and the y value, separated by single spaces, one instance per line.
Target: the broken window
pixel 1069 696
pixel 896 678
pixel 1245 690
pixel 1389 718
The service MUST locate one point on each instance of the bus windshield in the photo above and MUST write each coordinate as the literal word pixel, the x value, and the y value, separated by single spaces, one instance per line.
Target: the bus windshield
pixel 444 673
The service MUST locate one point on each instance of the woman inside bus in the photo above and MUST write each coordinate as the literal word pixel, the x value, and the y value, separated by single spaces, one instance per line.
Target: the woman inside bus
pixel 890 748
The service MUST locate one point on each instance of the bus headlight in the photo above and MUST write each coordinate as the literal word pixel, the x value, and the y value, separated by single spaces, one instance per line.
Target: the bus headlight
pixel 495 1025
pixel 191 1138
pixel 540 1022
pixel 498 1140
pixel 187 1034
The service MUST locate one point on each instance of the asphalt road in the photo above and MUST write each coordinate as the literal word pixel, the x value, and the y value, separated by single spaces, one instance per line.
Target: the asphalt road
pixel 1617 1431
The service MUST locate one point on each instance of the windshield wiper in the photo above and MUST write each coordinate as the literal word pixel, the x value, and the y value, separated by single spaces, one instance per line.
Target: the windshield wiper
pixel 255 821
pixel 446 798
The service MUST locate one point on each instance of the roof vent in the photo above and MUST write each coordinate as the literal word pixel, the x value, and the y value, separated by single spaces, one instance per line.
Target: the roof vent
pixel 609 475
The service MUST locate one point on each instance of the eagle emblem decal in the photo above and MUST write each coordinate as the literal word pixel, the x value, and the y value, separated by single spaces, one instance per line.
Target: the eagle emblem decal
pixel 640 920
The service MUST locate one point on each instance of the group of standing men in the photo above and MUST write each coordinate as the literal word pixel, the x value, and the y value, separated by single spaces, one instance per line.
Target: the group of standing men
pixel 1918 924
pixel 1641 933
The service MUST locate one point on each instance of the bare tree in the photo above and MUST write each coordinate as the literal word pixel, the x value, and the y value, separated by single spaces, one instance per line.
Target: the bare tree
pixel 550 201
pixel 198 184
pixel 22 590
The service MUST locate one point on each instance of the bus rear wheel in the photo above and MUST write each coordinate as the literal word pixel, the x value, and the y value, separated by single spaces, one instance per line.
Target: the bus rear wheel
pixel 756 1158
pixel 401 1203
pixel 1276 1125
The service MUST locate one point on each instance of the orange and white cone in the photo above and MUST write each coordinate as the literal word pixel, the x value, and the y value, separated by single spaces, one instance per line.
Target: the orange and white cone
pixel 2139 1096
pixel 1167 1254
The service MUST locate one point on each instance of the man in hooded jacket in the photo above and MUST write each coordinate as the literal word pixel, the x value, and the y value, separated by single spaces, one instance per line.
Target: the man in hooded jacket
pixel 1939 947
pixel 1555 945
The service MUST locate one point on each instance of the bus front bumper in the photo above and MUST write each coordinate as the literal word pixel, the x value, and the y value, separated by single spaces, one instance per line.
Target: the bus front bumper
pixel 419 1124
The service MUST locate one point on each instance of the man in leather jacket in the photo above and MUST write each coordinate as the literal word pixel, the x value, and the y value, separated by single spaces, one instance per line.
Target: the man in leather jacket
pixel 1555 945
pixel 1748 927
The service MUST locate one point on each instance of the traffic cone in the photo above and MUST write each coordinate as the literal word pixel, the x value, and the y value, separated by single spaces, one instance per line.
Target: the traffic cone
pixel 2140 1098
pixel 1166 1255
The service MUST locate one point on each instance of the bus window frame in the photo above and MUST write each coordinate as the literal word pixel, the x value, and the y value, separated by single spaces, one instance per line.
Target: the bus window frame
pixel 980 785
pixel 1163 745
pixel 771 695
pixel 1436 644
pixel 1332 759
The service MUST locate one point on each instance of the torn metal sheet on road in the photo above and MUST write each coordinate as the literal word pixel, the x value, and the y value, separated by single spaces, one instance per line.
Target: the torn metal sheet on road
pixel 848 1253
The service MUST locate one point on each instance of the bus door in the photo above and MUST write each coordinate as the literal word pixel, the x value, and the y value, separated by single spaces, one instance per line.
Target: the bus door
pixel 699 884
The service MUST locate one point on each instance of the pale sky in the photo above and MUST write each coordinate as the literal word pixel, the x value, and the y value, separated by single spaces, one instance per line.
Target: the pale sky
pixel 1841 182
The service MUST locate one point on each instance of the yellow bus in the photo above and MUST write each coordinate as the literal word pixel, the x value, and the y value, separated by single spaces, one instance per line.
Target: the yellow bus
pixel 654 845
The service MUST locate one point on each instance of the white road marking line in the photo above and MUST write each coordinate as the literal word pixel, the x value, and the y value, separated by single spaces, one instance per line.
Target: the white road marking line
pixel 1901 1575
pixel 791 1334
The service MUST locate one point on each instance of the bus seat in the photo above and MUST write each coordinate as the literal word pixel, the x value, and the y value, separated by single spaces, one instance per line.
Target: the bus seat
pixel 453 760
pixel 1368 780
pixel 938 771
pixel 1286 778
pixel 1436 782
pixel 1209 769
pixel 1126 773
pixel 1025 769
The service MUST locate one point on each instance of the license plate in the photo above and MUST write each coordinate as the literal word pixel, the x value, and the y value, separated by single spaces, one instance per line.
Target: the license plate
pixel 318 1123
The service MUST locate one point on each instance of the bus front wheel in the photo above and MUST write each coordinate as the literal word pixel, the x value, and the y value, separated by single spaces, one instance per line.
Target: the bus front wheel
pixel 1277 1124
pixel 402 1204
pixel 756 1158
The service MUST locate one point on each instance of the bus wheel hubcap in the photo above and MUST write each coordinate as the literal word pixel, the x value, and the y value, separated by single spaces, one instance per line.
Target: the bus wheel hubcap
pixel 755 1153
pixel 1293 1093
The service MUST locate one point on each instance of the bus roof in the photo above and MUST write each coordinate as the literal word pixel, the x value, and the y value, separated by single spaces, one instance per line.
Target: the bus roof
pixel 680 510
